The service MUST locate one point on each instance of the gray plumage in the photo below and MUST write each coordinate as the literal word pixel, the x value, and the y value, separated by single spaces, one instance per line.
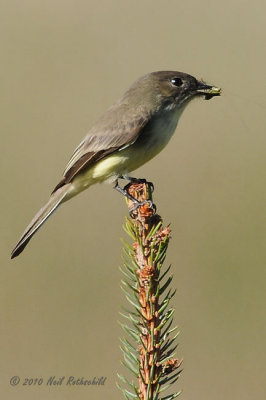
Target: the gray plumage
pixel 128 134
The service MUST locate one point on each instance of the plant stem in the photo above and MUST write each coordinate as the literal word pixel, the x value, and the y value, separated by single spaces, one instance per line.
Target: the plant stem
pixel 149 250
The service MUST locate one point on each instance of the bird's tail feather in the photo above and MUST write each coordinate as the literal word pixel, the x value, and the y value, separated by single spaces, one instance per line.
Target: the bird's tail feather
pixel 54 201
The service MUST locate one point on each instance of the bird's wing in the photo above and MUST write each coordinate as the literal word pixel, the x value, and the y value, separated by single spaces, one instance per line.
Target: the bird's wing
pixel 103 139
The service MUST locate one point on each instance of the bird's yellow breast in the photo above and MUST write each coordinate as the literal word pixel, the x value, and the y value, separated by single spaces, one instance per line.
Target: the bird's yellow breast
pixel 150 142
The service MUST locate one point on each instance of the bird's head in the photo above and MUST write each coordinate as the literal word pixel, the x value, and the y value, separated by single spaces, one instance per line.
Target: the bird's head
pixel 170 89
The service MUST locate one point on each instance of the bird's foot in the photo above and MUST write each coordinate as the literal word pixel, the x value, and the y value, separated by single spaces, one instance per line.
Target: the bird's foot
pixel 139 204
pixel 124 192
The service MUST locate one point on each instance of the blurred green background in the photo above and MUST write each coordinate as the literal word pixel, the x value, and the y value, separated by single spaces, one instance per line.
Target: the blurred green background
pixel 62 64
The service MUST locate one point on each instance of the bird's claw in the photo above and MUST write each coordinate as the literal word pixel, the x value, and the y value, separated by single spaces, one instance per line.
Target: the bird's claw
pixel 141 203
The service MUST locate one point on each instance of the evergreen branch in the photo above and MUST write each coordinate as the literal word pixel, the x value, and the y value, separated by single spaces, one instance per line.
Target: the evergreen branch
pixel 149 355
pixel 165 273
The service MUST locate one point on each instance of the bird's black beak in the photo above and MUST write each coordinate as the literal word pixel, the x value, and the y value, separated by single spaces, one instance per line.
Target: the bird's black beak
pixel 207 90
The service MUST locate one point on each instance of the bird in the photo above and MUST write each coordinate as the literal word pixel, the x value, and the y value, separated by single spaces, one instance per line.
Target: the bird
pixel 130 133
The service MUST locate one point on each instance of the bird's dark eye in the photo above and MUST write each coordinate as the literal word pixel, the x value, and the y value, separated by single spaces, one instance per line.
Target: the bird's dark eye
pixel 177 81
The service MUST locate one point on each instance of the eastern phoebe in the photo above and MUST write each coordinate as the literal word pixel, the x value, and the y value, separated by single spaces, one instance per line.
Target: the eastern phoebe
pixel 131 132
